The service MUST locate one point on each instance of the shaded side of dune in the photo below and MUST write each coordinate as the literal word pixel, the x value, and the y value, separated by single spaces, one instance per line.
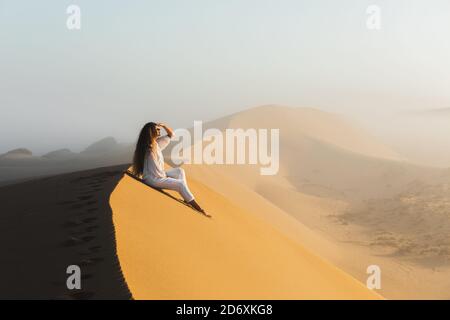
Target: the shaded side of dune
pixel 51 223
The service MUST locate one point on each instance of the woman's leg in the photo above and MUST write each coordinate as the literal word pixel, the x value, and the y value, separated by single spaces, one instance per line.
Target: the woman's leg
pixel 174 184
pixel 179 174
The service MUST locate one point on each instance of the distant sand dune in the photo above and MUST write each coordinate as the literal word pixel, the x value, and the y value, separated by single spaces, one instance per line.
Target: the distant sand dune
pixel 351 200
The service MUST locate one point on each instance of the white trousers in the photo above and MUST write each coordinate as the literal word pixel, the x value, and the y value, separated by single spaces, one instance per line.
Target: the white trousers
pixel 176 180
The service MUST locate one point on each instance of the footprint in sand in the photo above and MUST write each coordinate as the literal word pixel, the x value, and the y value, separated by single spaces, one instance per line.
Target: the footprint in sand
pixel 77 233
pixel 89 220
pixel 87 197
pixel 94 248
pixel 92 228
pixel 72 224
pixel 75 241
pixel 90 262
pixel 65 203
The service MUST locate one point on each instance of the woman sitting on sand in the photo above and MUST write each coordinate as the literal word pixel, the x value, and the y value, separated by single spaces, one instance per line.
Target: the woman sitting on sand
pixel 148 161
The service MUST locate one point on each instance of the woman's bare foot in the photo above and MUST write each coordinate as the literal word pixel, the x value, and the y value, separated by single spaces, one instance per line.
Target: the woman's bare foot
pixel 196 206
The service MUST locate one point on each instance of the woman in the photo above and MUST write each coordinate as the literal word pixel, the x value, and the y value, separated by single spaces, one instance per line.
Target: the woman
pixel 148 161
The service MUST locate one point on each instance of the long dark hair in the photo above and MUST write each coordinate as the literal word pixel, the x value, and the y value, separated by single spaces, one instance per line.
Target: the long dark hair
pixel 144 144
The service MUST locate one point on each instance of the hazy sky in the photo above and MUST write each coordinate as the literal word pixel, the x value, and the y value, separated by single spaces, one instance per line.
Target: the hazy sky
pixel 180 60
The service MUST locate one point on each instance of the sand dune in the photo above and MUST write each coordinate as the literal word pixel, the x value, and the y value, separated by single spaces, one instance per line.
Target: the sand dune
pixel 368 208
pixel 300 123
pixel 321 225
pixel 168 251
pixel 323 154
pixel 422 136
pixel 341 202
pixel 21 153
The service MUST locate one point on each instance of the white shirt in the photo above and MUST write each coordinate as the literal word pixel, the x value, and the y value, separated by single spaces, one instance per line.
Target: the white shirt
pixel 154 161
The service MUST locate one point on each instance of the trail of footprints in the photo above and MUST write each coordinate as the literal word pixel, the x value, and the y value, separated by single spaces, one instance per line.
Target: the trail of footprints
pixel 82 227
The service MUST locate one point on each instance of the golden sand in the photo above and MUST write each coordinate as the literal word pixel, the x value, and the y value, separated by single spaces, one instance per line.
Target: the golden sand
pixel 169 251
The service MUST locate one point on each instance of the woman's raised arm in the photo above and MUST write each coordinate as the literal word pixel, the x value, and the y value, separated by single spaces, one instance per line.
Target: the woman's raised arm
pixel 168 129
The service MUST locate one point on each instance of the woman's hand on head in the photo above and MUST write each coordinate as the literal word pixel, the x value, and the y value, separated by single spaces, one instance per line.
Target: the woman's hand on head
pixel 167 128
